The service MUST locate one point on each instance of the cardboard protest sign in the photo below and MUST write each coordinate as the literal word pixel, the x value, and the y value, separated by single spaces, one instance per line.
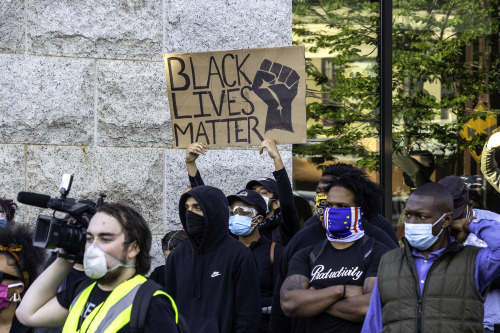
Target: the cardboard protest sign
pixel 237 98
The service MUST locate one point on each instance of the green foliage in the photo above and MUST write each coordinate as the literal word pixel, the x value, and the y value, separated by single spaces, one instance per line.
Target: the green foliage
pixel 429 43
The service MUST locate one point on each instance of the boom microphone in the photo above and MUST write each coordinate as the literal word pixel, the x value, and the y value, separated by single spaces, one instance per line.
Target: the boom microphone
pixel 33 199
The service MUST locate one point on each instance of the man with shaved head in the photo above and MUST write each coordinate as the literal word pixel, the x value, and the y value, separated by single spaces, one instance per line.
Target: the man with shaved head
pixel 435 284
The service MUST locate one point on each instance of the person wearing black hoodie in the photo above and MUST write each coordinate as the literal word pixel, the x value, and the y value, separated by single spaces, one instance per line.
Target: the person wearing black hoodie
pixel 213 277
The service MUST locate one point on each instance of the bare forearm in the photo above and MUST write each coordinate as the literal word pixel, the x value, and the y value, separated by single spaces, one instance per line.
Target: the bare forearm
pixel 352 309
pixel 309 302
pixel 278 163
pixel 191 168
pixel 43 290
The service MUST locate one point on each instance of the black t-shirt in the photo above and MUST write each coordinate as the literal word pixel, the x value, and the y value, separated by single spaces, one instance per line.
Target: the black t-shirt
pixel 160 316
pixel 336 267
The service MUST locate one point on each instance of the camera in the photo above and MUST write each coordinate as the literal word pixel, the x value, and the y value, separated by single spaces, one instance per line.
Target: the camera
pixel 52 232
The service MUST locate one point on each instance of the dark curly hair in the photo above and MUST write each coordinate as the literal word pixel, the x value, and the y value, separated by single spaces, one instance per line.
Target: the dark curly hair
pixel 9 207
pixel 31 258
pixel 367 194
pixel 338 169
pixel 136 230
pixel 172 239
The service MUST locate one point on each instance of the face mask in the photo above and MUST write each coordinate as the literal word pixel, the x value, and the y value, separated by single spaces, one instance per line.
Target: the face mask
pixel 240 225
pixel 319 207
pixel 195 226
pixel 343 225
pixel 420 235
pixel 266 199
pixel 94 262
pixel 4 291
pixel 3 219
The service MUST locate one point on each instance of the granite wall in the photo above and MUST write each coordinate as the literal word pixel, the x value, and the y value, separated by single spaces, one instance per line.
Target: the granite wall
pixel 82 91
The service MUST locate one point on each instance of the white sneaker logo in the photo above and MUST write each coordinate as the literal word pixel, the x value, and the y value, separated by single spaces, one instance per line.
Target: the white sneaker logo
pixel 215 274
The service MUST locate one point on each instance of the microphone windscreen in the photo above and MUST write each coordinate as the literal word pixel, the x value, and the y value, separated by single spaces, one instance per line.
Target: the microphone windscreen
pixel 33 199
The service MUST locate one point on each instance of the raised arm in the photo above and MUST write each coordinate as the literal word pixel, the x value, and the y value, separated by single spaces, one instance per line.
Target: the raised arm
pixel 192 152
pixel 354 308
pixel 298 300
pixel 489 166
pixel 291 221
pixel 39 307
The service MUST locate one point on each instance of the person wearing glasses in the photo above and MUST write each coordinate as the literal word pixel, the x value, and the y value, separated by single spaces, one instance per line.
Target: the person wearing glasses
pixel 247 209
pixel 20 262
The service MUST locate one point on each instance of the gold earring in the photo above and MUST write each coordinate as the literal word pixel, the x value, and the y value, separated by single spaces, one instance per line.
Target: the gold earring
pixel 16 298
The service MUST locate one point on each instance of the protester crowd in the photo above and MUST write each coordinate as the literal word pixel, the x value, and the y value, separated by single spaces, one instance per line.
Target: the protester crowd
pixel 241 263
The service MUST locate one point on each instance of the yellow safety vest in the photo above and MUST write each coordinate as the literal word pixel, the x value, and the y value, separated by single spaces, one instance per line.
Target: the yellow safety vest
pixel 112 314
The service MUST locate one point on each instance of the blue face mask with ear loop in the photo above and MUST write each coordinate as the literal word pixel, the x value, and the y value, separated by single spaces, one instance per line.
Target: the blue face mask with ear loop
pixel 420 235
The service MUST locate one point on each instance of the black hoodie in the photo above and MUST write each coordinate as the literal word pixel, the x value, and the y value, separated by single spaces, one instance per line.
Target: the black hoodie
pixel 215 285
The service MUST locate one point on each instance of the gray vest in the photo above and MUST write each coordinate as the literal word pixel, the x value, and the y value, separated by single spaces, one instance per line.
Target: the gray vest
pixel 451 301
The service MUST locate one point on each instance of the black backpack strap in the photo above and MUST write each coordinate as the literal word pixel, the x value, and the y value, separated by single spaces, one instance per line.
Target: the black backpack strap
pixel 141 304
pixel 84 284
pixel 368 243
pixel 140 307
pixel 317 250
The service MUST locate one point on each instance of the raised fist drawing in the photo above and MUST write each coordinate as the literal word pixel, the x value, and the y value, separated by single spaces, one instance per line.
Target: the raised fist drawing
pixel 277 86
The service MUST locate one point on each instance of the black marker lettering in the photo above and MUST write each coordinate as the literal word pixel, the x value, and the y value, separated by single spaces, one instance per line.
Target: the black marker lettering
pixel 200 133
pixel 212 61
pixel 254 129
pixel 174 104
pixel 231 101
pixel 224 70
pixel 244 96
pixel 180 73
pixel 238 68
pixel 188 127
pixel 200 97
pixel 195 87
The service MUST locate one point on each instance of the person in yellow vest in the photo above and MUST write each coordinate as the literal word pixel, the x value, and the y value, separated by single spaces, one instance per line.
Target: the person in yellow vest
pixel 116 259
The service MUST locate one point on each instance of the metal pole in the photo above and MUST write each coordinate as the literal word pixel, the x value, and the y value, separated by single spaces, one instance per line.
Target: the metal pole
pixel 385 52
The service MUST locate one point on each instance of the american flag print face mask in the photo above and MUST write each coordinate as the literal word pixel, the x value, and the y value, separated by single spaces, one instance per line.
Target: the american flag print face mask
pixel 343 225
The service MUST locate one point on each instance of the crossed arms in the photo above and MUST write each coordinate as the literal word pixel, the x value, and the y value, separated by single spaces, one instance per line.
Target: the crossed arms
pixel 298 299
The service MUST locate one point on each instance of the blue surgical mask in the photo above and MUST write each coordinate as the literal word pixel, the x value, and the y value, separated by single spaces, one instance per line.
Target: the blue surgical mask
pixel 420 235
pixel 240 225
pixel 3 223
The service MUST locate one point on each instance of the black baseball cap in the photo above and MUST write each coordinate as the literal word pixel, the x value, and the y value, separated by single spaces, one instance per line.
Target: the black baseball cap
pixel 268 183
pixel 251 198
pixel 460 192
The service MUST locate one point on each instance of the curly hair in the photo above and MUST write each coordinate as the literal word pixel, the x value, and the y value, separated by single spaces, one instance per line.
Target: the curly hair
pixel 172 239
pixel 9 207
pixel 136 230
pixel 31 258
pixel 367 194
pixel 336 170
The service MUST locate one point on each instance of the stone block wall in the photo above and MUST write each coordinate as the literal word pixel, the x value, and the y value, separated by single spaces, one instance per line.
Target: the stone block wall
pixel 82 91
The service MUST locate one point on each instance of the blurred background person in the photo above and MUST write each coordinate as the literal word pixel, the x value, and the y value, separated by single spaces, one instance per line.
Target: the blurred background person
pixel 169 242
pixel 20 263
pixel 7 211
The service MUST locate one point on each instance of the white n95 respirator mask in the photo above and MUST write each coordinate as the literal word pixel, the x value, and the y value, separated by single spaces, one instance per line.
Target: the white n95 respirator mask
pixel 94 262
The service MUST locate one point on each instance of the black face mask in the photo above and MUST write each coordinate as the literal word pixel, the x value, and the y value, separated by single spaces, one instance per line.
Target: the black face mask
pixel 195 226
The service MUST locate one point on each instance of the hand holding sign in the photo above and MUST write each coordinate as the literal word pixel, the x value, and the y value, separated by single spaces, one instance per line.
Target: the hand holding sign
pixel 277 86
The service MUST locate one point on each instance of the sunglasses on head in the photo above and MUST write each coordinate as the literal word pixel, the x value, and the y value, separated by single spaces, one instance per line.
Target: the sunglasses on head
pixel 6 276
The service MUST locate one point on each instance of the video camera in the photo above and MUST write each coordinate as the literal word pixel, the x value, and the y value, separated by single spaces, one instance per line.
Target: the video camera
pixel 52 232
